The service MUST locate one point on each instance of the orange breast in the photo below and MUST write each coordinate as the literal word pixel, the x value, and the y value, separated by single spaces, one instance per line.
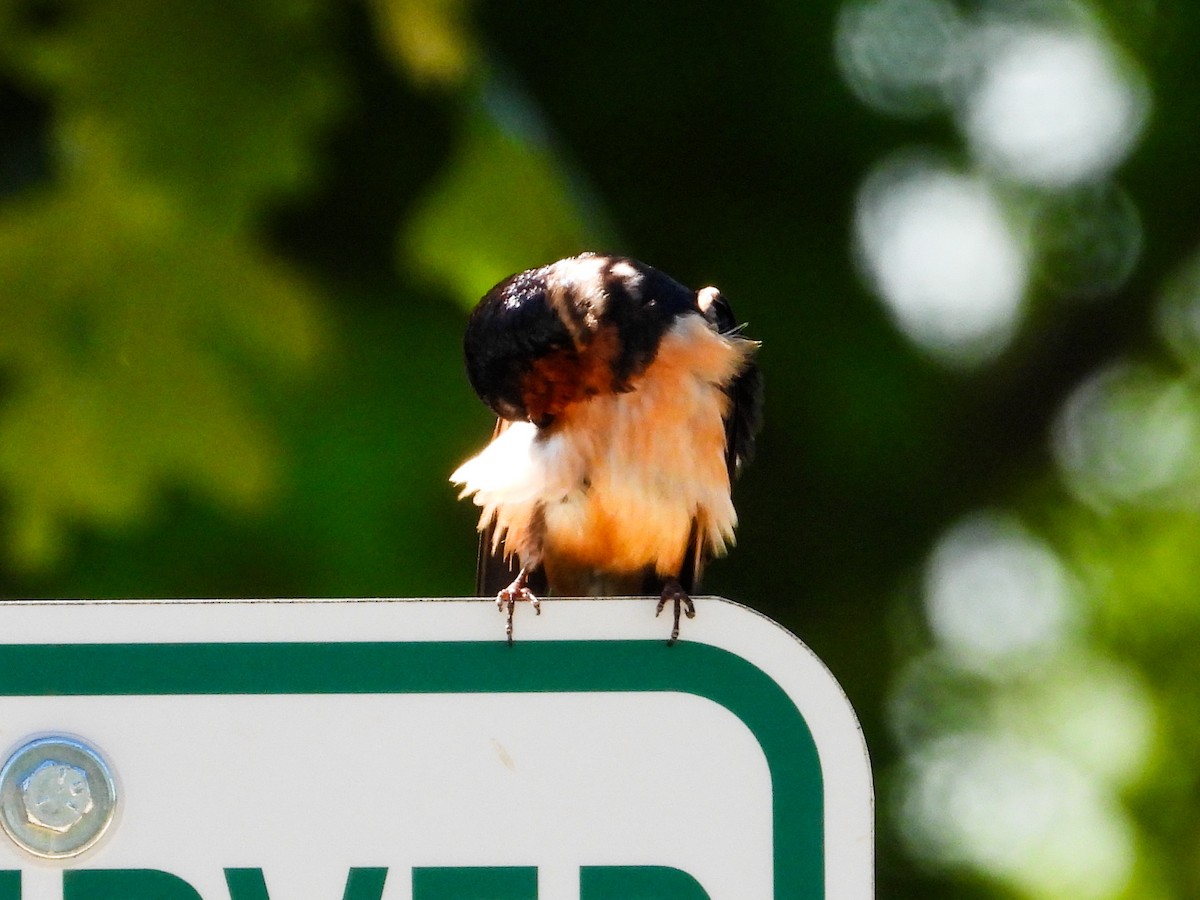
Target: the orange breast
pixel 648 463
pixel 617 482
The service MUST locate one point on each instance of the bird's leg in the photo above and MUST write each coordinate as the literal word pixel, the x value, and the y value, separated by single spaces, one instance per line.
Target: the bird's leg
pixel 674 592
pixel 507 599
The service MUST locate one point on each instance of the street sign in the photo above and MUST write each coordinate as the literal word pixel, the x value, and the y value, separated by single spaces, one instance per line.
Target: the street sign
pixel 399 750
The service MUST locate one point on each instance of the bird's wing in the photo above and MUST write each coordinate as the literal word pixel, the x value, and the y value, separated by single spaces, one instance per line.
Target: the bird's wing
pixel 745 392
pixel 744 419
pixel 742 422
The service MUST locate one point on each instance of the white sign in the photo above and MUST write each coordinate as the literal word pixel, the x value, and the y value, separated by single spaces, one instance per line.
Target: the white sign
pixel 399 750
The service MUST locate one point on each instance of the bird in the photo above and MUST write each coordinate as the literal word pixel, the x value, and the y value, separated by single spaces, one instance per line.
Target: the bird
pixel 626 405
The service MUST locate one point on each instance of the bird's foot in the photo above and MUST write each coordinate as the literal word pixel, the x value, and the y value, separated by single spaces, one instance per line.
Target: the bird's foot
pixel 507 600
pixel 674 592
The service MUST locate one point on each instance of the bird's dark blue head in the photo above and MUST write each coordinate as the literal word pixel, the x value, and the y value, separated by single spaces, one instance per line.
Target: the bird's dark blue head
pixel 545 338
pixel 511 329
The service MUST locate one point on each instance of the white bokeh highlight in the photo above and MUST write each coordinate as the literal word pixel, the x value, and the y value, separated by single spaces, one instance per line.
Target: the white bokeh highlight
pixel 1095 711
pixel 994 594
pixel 900 57
pixel 1019 812
pixel 1128 435
pixel 939 251
pixel 1052 107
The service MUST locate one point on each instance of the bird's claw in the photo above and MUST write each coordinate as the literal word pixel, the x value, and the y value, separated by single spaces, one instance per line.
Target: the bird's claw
pixel 674 592
pixel 508 598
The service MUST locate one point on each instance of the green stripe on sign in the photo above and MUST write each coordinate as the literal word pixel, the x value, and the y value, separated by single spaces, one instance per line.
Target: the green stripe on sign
pixel 125 884
pixel 638 883
pixel 246 884
pixel 475 883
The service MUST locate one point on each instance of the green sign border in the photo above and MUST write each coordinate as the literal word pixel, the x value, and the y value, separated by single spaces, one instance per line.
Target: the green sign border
pixel 470 667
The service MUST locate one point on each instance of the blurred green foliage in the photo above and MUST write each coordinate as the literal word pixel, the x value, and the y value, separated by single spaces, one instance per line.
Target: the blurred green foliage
pixel 504 198
pixel 237 242
pixel 136 293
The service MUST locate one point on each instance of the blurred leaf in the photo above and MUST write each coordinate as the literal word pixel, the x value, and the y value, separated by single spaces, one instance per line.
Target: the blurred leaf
pixel 215 101
pixel 505 203
pixel 137 312
pixel 431 38
pixel 127 332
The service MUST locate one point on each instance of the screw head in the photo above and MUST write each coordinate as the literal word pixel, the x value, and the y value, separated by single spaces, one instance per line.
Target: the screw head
pixel 57 797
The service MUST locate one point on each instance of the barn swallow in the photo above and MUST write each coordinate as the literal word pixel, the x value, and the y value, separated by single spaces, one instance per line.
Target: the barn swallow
pixel 627 404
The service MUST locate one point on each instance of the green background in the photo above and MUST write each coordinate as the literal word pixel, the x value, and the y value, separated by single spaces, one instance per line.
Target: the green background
pixel 238 242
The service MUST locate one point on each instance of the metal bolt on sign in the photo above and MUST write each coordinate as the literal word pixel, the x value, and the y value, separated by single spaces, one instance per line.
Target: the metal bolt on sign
pixel 57 797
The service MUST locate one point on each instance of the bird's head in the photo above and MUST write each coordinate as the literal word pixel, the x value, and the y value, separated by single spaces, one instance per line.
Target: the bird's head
pixel 546 338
